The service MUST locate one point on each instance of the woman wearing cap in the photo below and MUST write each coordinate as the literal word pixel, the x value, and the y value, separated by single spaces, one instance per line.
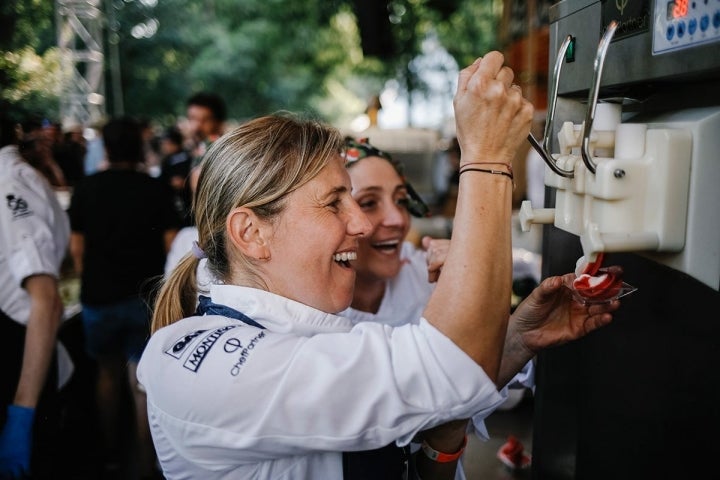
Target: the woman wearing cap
pixel 265 380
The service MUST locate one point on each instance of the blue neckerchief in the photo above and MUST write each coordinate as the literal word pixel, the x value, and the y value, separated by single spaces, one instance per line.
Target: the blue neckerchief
pixel 207 307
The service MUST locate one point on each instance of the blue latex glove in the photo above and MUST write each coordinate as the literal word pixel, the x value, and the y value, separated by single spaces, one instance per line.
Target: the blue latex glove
pixel 16 441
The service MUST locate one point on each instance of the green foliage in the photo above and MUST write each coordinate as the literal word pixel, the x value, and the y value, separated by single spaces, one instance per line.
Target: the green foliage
pixel 471 30
pixel 28 79
pixel 32 73
pixel 260 55
pixel 26 23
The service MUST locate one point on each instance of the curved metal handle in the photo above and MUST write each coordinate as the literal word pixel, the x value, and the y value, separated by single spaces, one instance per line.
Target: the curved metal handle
pixel 553 93
pixel 549 160
pixel 593 97
pixel 544 149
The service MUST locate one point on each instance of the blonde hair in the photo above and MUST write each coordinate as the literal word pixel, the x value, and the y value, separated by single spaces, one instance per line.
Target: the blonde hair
pixel 254 166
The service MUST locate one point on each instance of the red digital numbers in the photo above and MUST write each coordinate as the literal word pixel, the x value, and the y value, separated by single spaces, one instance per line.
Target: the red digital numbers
pixel 680 8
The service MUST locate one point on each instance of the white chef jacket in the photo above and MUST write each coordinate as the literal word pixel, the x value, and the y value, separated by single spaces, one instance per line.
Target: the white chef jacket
pixel 34 231
pixel 227 400
pixel 406 296
pixel 404 301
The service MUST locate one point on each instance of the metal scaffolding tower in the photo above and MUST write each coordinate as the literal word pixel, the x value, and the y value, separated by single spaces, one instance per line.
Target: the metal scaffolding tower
pixel 80 40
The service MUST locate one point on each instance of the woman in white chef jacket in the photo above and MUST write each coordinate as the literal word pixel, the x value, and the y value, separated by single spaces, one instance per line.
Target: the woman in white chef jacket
pixel 265 381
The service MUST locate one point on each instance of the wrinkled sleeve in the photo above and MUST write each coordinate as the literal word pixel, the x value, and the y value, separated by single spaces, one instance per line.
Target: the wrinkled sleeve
pixel 525 378
pixel 278 395
pixel 26 235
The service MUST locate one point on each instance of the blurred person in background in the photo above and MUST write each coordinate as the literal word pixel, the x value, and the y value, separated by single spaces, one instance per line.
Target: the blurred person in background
pixel 95 156
pixel 151 151
pixel 36 146
pixel 123 222
pixel 206 116
pixel 34 234
pixel 174 171
pixel 69 153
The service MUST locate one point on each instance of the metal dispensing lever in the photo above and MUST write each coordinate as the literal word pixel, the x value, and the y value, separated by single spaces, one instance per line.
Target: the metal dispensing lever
pixel 593 97
pixel 544 149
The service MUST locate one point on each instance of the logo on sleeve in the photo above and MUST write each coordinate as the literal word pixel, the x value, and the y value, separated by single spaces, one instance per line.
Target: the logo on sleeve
pixel 18 206
pixel 244 353
pixel 181 344
pixel 203 348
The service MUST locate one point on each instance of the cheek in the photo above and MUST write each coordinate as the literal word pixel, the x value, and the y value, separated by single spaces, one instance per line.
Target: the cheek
pixel 375 220
pixel 364 255
pixel 407 225
pixel 372 261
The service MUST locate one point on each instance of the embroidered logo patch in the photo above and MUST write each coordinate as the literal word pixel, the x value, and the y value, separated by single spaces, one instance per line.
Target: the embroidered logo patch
pixel 18 206
pixel 203 348
pixel 179 346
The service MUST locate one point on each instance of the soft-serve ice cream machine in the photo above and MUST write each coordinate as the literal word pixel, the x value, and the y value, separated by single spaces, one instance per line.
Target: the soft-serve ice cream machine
pixel 644 183
pixel 632 170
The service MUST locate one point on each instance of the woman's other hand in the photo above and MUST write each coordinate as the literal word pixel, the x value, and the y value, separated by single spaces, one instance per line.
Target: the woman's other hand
pixel 436 252
pixel 549 316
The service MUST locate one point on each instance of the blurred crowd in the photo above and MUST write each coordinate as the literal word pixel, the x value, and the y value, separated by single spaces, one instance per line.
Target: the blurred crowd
pixel 89 216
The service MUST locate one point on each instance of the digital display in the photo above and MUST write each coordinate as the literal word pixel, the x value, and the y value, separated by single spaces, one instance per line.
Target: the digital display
pixel 677 9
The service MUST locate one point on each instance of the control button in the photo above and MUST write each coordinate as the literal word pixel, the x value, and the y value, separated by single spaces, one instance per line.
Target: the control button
pixel 570 52
pixel 681 29
pixel 670 33
pixel 692 26
pixel 704 22
pixel 716 19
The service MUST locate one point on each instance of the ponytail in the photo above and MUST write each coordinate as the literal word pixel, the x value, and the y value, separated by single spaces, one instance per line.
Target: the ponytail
pixel 177 298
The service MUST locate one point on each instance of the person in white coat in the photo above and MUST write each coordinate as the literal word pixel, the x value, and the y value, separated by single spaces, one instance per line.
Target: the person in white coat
pixel 394 278
pixel 34 236
pixel 265 380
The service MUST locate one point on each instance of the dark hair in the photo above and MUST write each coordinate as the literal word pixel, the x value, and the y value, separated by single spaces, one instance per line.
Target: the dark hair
pixel 8 132
pixel 173 134
pixel 31 124
pixel 212 102
pixel 123 141
pixel 10 122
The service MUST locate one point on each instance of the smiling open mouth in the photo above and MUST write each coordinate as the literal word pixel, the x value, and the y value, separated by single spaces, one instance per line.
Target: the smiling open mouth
pixel 388 246
pixel 344 258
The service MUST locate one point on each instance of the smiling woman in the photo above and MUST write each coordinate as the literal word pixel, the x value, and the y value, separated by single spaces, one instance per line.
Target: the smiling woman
pixel 387 199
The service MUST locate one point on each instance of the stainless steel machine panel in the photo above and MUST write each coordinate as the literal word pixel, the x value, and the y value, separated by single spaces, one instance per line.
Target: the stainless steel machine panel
pixel 640 50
